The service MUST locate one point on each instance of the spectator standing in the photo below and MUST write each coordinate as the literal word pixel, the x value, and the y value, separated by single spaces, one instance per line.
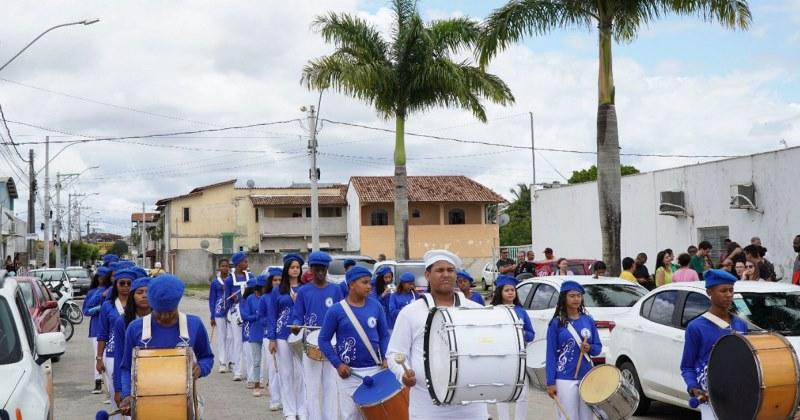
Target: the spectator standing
pixel 641 273
pixel 796 270
pixel 755 254
pixel 527 266
pixel 506 265
pixel 698 261
pixel 599 269
pixel 738 269
pixel 562 268
pixel 548 255
pixel 735 252
pixel 751 271
pixel 664 267
pixel 755 240
pixel 381 257
pixel 628 269
pixel 723 254
pixel 685 272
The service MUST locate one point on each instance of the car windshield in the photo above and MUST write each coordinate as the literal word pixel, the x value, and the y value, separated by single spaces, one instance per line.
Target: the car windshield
pixel 418 270
pixel 612 295
pixel 10 348
pixel 27 293
pixel 78 274
pixel 775 311
pixel 337 266
pixel 49 275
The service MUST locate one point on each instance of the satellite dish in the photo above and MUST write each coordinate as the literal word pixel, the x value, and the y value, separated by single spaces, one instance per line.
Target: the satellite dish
pixel 251 183
pixel 503 219
pixel 204 244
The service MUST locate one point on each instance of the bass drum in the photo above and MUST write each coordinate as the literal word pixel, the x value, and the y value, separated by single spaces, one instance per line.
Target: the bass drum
pixel 163 387
pixel 753 376
pixel 536 356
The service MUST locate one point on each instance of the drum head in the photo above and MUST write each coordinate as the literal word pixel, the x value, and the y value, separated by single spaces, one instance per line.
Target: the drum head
pixel 437 349
pixel 384 385
pixel 313 338
pixel 733 379
pixel 599 384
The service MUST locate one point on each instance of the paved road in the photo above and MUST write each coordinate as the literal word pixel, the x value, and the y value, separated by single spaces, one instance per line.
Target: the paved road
pixel 224 398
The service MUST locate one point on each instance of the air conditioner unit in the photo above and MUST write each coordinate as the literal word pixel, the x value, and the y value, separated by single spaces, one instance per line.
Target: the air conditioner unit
pixel 743 197
pixel 672 204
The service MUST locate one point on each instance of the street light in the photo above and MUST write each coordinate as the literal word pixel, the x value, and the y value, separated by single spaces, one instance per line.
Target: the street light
pixel 82 22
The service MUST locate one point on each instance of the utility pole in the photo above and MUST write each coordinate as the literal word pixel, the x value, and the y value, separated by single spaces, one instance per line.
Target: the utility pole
pixel 31 207
pixel 69 229
pixel 313 175
pixel 533 174
pixel 46 256
pixel 57 233
pixel 141 238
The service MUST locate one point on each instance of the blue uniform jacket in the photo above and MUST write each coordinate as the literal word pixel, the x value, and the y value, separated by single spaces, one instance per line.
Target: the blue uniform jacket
pixel 563 352
pixel 279 314
pixel 91 308
pixel 105 326
pixel 313 303
pixel 350 349
pixel 701 334
pixel 398 301
pixel 249 311
pixel 217 304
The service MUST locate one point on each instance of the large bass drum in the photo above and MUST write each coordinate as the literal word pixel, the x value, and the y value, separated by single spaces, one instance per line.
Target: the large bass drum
pixel 163 387
pixel 474 355
pixel 537 372
pixel 753 376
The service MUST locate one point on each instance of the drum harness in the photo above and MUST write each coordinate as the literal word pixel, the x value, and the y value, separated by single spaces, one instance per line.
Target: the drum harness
pixel 183 330
pixel 578 341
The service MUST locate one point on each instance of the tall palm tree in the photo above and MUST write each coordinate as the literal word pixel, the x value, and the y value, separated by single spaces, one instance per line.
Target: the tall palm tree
pixel 412 71
pixel 619 20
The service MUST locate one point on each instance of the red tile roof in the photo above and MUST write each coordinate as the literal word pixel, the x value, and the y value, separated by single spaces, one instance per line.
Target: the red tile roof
pixel 452 189
pixel 301 200
pixel 148 217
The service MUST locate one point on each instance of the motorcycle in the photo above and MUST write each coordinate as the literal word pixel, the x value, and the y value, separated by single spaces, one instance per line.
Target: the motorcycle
pixel 67 307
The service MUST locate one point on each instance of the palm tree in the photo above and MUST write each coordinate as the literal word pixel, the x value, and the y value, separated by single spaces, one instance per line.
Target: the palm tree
pixel 411 72
pixel 615 19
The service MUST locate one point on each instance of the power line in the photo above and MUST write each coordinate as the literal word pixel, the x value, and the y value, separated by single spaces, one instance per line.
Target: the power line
pixel 10 138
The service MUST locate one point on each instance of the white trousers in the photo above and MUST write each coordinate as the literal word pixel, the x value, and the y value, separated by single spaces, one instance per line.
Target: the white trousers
pixel 94 360
pixel 254 374
pixel 320 380
pixel 706 413
pixel 347 387
pixel 222 337
pixel 235 340
pixel 269 370
pixel 246 358
pixel 567 392
pixel 290 374
pixel 520 407
pixel 109 379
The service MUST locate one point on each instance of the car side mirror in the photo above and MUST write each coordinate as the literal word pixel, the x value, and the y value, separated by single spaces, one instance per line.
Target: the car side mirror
pixel 49 345
pixel 50 304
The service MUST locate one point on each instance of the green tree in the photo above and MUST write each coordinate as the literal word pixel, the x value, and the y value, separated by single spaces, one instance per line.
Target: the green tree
pixel 120 248
pixel 518 229
pixel 590 174
pixel 619 20
pixel 412 72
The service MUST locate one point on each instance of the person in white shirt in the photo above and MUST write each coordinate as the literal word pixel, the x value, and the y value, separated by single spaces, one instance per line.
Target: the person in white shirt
pixel 408 339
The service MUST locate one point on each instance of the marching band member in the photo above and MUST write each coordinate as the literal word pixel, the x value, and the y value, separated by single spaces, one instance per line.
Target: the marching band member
pixel 136 307
pixel 704 331
pixel 218 306
pixel 255 330
pixel 234 288
pixel 362 336
pixel 465 283
pixel 348 264
pixel 571 335
pixel 265 304
pixel 247 355
pixel 290 371
pixel 313 301
pixel 91 308
pixel 165 325
pixel 505 293
pixel 380 286
pixel 404 295
pixel 408 339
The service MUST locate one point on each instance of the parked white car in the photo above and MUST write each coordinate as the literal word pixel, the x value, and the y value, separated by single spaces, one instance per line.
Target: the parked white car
pixel 26 388
pixel 488 275
pixel 415 267
pixel 647 344
pixel 336 269
pixel 606 299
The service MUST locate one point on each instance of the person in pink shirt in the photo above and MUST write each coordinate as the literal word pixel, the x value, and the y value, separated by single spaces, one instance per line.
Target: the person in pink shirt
pixel 684 272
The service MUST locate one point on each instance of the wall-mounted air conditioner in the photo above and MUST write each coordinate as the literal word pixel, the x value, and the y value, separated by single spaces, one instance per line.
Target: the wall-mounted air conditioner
pixel 672 204
pixel 743 197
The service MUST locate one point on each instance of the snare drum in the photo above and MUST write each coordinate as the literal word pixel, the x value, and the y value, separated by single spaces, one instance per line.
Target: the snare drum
pixel 753 376
pixel 474 355
pixel 536 356
pixel 312 346
pixel 295 342
pixel 608 394
pixel 163 387
pixel 385 399
pixel 233 315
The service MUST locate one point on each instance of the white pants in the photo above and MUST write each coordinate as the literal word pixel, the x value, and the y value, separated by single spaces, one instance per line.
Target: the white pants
pixel 567 393
pixel 222 350
pixel 347 387
pixel 706 413
pixel 320 380
pixel 246 357
pixel 94 362
pixel 520 407
pixel 254 374
pixel 270 371
pixel 290 374
pixel 109 379
pixel 235 340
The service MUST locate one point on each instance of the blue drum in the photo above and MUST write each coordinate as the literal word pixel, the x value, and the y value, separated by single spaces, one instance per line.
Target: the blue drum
pixel 382 397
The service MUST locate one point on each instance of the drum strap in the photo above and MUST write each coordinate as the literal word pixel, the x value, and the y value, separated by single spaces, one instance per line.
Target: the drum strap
pixel 432 304
pixel 360 330
pixel 147 331
pixel 578 340
pixel 716 320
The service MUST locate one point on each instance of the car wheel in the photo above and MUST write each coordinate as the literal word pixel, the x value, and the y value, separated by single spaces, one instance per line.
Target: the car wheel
pixel 629 373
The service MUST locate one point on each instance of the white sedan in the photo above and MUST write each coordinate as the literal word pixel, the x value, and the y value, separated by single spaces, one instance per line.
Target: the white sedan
pixel 647 345
pixel 488 275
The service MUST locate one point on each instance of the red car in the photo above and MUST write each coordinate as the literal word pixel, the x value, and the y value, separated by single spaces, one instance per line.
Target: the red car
pixel 43 309
pixel 579 267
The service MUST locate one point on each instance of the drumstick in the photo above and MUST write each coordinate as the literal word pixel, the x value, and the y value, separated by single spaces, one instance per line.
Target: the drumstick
pixel 400 359
pixel 275 360
pixel 102 415
pixel 578 368
pixel 560 407
pixel 310 327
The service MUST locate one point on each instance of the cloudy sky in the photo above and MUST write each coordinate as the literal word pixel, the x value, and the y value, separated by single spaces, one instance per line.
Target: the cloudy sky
pixel 684 87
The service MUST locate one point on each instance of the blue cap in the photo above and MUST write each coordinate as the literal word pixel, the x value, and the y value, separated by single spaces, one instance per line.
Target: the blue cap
pixel 109 258
pixel 356 273
pixel 383 270
pixel 349 263
pixel 464 275
pixel 572 286
pixel 126 273
pixel 139 271
pixel 238 257
pixel 114 266
pixel 293 257
pixel 140 282
pixel 274 272
pixel 165 293
pixel 319 258
pixel 407 277
pixel 102 271
pixel 717 277
pixel 261 280
pixel 505 280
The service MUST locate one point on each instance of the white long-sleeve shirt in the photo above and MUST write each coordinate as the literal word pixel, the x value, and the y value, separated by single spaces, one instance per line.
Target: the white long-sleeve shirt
pixel 408 338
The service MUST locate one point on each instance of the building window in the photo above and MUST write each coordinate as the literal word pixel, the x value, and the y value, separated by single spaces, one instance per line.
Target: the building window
pixel 186 214
pixel 380 217
pixel 456 217
pixel 330 212
pixel 415 213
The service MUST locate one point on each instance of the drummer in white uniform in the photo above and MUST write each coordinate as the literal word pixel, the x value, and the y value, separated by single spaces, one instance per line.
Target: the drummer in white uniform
pixel 409 335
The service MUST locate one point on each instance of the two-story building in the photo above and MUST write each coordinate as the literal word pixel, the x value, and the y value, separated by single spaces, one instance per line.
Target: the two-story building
pixel 12 228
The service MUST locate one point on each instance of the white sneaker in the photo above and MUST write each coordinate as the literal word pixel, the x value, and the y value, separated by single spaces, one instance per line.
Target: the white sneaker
pixel 251 385
pixel 237 378
pixel 275 407
pixel 223 369
pixel 291 418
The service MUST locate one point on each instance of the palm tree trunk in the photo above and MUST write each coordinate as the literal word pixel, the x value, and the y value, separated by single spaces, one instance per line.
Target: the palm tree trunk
pixel 400 191
pixel 608 165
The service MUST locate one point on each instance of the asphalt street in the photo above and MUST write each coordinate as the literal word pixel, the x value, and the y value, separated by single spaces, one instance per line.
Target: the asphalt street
pixel 224 398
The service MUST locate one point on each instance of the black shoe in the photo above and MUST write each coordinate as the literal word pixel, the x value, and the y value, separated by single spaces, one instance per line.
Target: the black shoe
pixel 98 386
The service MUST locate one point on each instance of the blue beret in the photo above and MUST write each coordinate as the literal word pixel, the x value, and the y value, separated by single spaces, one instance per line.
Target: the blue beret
pixel 407 277
pixel 126 273
pixel 238 257
pixel 102 271
pixel 261 280
pixel 463 274
pixel 165 292
pixel 140 282
pixel 109 258
pixel 293 257
pixel 383 270
pixel 319 258
pixel 122 264
pixel 356 273
pixel 349 263
pixel 274 272
pixel 114 266
pixel 504 280
pixel 572 286
pixel 716 277
pixel 139 270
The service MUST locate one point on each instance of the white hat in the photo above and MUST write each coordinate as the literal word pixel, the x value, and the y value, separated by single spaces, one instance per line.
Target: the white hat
pixel 158 265
pixel 436 255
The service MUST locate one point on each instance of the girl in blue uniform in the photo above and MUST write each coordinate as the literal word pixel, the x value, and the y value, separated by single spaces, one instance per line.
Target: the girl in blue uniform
pixel 91 308
pixel 218 306
pixel 247 355
pixel 234 288
pixel 404 295
pixel 505 293
pixel 571 335
pixel 351 354
pixel 268 359
pixel 255 333
pixel 465 283
pixel 381 287
pixel 135 308
pixel 290 371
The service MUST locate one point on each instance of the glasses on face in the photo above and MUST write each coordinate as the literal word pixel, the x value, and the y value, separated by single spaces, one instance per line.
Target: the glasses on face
pixel 123 282
pixel 749 266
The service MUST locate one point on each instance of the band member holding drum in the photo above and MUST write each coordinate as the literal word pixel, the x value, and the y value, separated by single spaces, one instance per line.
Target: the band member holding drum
pixel 234 288
pixel 465 283
pixel 91 308
pixel 380 287
pixel 505 293
pixel 571 336
pixel 265 304
pixel 704 331
pixel 290 368
pixel 408 339
pixel 357 322
pixel 135 307
pixel 255 331
pixel 313 301
pixel 404 295
pixel 218 306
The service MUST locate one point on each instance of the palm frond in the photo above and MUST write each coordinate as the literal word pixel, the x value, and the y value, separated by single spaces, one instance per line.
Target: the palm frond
pixel 338 71
pixel 733 14
pixel 346 31
pixel 451 36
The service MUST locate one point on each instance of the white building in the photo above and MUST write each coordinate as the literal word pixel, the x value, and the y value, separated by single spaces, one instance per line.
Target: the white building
pixel 737 198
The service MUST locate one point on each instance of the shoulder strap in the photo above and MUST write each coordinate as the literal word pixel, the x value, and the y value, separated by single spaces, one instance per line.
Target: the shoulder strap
pixel 716 320
pixel 120 308
pixel 183 328
pixel 428 300
pixel 360 330
pixel 578 340
pixel 146 330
